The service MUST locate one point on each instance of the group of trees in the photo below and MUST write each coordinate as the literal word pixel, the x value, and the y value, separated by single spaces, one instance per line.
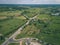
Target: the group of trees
pixel 2 9
pixel 2 37
pixel 49 11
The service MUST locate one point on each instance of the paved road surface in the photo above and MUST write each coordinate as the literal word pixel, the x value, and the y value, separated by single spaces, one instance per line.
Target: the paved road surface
pixel 18 31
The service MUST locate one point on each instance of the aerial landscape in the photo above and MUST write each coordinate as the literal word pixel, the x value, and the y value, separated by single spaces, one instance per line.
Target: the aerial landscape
pixel 29 23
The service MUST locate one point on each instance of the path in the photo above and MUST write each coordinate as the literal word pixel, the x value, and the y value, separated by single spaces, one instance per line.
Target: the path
pixel 18 31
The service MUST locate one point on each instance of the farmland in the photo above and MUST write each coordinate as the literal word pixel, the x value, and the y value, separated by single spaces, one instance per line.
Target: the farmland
pixel 10 21
pixel 45 27
pixel 47 32
pixel 14 44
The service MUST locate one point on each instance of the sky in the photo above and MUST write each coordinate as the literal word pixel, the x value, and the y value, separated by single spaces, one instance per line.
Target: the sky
pixel 29 1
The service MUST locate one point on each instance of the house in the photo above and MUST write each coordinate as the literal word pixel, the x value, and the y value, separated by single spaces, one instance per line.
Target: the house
pixel 55 14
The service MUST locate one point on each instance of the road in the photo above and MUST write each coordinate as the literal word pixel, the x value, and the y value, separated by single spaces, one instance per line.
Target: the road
pixel 29 41
pixel 18 31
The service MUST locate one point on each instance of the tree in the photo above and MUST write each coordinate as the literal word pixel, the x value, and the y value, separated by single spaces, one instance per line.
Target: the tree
pixel 1 37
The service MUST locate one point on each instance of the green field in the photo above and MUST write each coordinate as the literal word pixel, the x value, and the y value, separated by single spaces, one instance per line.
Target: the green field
pixel 14 44
pixel 31 12
pixel 23 43
pixel 10 13
pixel 45 28
pixel 11 25
pixel 10 21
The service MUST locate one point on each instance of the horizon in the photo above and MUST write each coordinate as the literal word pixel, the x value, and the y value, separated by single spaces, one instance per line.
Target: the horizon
pixel 29 2
pixel 41 4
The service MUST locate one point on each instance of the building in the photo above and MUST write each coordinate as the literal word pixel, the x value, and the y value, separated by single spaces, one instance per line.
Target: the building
pixel 55 14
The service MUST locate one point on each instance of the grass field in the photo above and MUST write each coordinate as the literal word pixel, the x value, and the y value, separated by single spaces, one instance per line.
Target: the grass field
pixel 23 43
pixel 31 12
pixel 47 29
pixel 14 44
pixel 10 13
pixel 9 26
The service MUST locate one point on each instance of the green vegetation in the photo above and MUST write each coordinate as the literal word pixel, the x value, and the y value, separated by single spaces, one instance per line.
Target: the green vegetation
pixel 30 12
pixel 51 33
pixel 28 32
pixel 10 26
pixel 45 28
pixel 10 21
pixel 14 44
pixel 10 13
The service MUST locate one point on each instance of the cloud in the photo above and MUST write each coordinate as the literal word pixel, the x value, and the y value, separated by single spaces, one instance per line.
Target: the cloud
pixel 57 1
pixel 29 1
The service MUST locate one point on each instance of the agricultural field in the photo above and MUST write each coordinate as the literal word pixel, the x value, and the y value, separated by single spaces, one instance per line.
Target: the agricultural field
pixel 31 12
pixel 34 28
pixel 10 21
pixel 23 43
pixel 45 28
pixel 9 26
pixel 14 44
pixel 10 13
